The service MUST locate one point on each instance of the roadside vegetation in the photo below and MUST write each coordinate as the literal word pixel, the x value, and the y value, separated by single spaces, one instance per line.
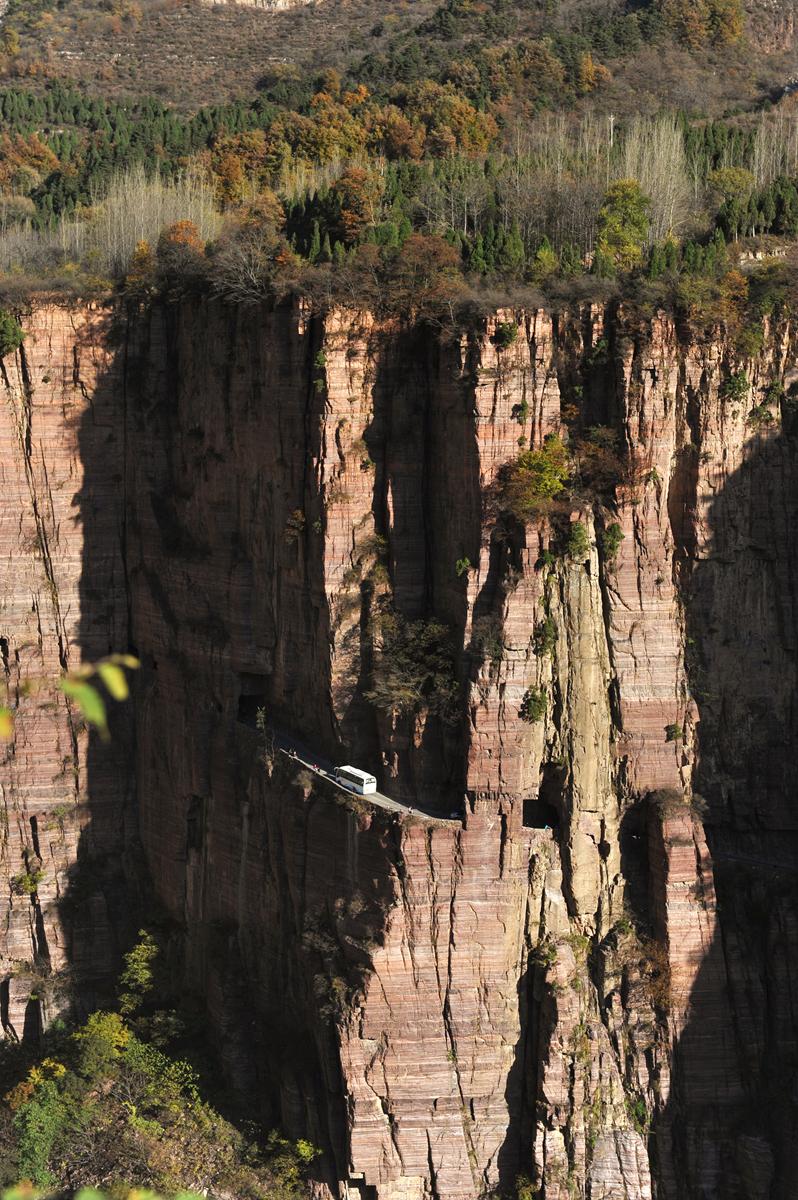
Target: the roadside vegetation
pixel 414 666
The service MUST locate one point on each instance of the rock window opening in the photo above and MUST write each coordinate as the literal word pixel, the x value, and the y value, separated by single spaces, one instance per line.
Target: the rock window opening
pixel 251 698
pixel 539 814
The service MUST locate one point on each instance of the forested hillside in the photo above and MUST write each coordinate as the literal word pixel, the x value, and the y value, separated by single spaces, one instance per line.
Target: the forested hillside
pixel 504 131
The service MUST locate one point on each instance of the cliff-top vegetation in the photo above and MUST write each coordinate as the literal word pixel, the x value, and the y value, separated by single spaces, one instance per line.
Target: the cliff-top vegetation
pixel 451 150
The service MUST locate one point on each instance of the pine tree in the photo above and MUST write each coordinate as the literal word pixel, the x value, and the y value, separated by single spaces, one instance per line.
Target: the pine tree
pixel 671 255
pixel 656 262
pixel 511 256
pixel 489 246
pixel 315 244
pixel 476 258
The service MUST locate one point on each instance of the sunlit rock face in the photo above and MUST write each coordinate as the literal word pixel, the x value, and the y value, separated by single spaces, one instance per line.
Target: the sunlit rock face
pixel 587 980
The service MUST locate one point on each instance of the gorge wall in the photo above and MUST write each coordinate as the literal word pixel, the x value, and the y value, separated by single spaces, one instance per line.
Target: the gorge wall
pixel 586 979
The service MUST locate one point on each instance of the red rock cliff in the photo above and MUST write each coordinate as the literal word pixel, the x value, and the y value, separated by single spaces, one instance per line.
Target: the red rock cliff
pixel 586 979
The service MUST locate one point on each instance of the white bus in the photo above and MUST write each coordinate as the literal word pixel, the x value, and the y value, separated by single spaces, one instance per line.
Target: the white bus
pixel 356 780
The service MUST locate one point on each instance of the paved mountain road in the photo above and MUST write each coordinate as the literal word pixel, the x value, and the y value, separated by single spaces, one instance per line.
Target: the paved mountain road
pixel 298 753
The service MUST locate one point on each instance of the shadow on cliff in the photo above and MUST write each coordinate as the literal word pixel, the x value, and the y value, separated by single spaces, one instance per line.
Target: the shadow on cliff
pixel 730 1128
pixel 197 450
pixel 101 904
pixel 427 505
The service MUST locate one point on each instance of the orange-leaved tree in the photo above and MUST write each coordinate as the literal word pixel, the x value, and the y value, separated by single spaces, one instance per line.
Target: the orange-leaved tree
pixel 424 277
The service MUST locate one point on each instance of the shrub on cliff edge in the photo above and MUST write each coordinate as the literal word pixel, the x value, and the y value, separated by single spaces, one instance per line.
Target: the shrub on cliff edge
pixel 11 334
pixel 103 1106
pixel 533 706
pixel 529 486
pixel 413 667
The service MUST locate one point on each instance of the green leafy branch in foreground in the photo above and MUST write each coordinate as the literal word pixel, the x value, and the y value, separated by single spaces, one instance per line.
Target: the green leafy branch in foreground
pixel 80 686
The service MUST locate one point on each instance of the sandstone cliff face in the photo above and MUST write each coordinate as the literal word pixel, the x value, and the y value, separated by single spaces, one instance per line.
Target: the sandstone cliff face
pixel 577 982
pixel 62 598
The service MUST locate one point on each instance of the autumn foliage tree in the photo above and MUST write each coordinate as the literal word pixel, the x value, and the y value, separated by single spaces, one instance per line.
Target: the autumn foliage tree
pixel 697 22
pixel 423 276
pixel 180 254
pixel 356 193
pixel 623 223
pixel 251 260
pixel 140 279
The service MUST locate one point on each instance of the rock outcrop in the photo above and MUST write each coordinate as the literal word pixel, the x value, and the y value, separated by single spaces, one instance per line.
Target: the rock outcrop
pixel 587 980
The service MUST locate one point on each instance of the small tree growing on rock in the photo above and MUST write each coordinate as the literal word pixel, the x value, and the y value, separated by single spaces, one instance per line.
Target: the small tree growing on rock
pixel 533 706
pixel 529 486
pixel 11 334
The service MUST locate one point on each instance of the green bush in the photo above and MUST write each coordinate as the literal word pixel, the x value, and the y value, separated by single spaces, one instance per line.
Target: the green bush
pixel 749 340
pixel 26 883
pixel 544 638
pixel 104 1105
pixel 37 1125
pixel 544 953
pixel 533 706
pixel 611 539
pixel 11 334
pixel 528 486
pixel 674 733
pixel 506 334
pixel 638 1114
pixel 578 547
pixel 759 417
pixel 736 387
pixel 138 977
pixel 775 393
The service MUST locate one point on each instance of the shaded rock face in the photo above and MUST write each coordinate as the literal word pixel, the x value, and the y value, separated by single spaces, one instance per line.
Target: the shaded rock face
pixel 587 981
pixel 62 598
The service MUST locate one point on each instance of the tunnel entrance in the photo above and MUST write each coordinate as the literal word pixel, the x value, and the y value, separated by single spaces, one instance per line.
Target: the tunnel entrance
pixel 543 811
pixel 251 697
pixel 540 814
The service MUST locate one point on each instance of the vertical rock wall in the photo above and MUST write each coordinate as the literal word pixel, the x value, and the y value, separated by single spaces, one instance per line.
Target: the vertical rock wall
pixel 571 984
pixel 62 600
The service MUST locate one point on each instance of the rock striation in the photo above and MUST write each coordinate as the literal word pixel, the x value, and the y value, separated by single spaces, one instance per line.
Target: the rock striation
pixel 586 983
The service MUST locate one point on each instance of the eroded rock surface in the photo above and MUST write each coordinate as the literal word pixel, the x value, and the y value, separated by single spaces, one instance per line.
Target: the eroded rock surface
pixel 588 981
